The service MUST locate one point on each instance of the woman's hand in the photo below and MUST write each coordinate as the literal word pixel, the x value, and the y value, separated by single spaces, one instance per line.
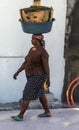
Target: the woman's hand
pixel 15 75
pixel 47 82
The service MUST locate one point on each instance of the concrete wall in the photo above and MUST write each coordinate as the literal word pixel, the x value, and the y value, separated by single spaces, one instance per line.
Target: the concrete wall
pixel 14 45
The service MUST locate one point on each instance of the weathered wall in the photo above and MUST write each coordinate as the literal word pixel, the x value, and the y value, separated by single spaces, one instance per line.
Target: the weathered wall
pixel 71 53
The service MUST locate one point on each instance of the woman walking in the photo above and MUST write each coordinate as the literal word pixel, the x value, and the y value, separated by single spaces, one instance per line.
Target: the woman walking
pixel 36 66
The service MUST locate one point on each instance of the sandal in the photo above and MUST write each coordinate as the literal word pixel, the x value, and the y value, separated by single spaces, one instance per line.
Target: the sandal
pixel 44 115
pixel 16 118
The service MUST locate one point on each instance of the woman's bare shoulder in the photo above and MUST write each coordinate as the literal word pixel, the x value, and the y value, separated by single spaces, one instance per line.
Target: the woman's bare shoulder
pixel 44 52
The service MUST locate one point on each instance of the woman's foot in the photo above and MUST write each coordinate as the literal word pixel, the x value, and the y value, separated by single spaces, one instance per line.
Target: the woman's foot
pixel 17 118
pixel 45 115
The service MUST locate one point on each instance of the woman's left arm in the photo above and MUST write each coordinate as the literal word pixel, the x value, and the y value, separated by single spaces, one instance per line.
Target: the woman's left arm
pixel 45 63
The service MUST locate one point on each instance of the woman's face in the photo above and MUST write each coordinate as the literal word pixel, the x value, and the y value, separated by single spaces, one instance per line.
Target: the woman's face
pixel 35 41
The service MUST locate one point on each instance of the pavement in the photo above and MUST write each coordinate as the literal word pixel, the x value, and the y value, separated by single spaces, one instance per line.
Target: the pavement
pixel 61 119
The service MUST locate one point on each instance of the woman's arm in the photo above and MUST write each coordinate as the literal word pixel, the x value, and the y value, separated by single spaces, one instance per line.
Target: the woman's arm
pixel 19 70
pixel 45 63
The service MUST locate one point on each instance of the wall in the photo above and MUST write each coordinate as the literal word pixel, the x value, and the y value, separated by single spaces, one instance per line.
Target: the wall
pixel 14 45
pixel 71 49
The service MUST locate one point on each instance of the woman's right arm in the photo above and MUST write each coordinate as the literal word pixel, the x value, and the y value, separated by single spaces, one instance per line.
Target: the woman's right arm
pixel 19 70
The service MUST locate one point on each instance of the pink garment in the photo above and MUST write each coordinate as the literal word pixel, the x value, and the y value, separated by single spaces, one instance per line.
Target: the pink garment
pixel 38 36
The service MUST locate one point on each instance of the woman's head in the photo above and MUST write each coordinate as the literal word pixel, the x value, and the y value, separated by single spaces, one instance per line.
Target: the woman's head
pixel 39 38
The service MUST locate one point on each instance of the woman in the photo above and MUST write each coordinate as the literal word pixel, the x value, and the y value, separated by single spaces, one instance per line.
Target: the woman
pixel 36 68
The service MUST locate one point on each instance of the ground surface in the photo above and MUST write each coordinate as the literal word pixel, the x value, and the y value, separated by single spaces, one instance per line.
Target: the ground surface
pixel 62 119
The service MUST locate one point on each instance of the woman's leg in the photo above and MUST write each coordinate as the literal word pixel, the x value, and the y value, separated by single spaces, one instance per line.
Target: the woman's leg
pixel 43 101
pixel 24 107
